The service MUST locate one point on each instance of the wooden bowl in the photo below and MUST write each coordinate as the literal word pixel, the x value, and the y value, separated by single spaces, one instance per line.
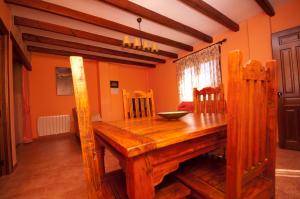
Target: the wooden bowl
pixel 173 114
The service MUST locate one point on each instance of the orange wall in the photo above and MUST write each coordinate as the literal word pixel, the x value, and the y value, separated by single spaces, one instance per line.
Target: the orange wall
pixel 163 81
pixel 42 86
pixel 287 16
pixel 5 14
pixel 44 101
pixel 253 39
pixel 130 78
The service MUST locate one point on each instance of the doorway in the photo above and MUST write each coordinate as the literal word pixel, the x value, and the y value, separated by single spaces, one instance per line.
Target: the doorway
pixel 286 50
pixel 18 98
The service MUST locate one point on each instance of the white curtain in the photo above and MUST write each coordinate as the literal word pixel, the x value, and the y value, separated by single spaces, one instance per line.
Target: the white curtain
pixel 199 70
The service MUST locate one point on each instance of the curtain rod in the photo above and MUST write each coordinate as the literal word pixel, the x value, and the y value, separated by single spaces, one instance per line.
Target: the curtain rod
pixel 219 42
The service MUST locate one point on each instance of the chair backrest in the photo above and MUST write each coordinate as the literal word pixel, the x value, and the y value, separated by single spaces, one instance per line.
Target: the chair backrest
pixel 87 139
pixel 252 123
pixel 139 104
pixel 209 100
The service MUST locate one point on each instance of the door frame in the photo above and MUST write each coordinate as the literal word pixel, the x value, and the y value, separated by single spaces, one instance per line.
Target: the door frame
pixel 275 50
pixel 5 135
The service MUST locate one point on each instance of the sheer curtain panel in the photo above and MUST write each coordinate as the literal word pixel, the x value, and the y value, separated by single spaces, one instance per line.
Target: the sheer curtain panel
pixel 198 70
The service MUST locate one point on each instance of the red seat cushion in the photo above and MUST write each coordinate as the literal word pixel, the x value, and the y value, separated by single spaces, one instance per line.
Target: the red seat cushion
pixel 186 106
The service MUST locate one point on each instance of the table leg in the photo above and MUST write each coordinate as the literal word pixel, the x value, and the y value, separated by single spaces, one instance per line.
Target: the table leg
pixel 139 179
pixel 101 160
pixel 100 152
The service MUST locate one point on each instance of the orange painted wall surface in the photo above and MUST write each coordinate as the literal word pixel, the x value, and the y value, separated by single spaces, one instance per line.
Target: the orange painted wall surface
pixel 253 39
pixel 42 88
pixel 44 101
pixel 5 14
pixel 130 78
pixel 163 81
pixel 287 16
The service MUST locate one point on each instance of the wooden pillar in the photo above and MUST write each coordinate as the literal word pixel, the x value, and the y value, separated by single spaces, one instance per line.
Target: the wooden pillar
pixel 234 152
pixel 89 157
pixel 272 120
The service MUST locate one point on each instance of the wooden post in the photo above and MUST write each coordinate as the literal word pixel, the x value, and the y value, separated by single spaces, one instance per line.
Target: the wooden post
pixel 126 105
pixel 89 157
pixel 234 171
pixel 152 103
pixel 195 101
pixel 272 120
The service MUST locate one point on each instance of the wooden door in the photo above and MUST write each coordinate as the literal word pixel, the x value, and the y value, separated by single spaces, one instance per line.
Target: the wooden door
pixel 286 50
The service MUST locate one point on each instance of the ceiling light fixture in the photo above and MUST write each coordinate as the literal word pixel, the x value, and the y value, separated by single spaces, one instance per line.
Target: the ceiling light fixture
pixel 139 43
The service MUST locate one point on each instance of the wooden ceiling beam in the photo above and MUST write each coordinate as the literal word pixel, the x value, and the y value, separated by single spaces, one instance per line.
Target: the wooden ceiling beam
pixel 80 46
pixel 158 18
pixel 211 12
pixel 87 56
pixel 98 21
pixel 21 21
pixel 3 28
pixel 20 47
pixel 266 6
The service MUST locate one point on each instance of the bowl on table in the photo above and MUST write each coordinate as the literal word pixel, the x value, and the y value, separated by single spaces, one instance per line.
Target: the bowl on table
pixel 173 114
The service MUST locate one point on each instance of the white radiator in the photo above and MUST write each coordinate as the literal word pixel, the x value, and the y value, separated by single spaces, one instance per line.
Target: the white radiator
pixel 52 125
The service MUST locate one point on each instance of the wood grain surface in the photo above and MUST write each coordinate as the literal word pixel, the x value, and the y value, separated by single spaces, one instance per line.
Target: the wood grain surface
pixel 137 136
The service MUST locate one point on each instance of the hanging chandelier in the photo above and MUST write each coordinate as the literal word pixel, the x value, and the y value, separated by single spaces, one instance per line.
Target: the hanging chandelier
pixel 139 43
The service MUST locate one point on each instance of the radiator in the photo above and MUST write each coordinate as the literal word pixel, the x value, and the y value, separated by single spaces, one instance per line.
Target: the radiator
pixel 52 125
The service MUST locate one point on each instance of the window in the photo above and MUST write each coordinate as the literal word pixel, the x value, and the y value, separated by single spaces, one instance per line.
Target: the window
pixel 198 70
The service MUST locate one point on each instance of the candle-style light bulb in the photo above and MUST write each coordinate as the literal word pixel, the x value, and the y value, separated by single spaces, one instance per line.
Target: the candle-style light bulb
pixel 154 48
pixel 136 43
pixel 126 41
pixel 145 45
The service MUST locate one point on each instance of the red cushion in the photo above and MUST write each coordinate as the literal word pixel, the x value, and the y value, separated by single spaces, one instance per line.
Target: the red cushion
pixel 186 106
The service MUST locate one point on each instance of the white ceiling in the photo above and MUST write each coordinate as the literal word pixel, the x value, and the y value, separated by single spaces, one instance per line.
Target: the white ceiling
pixel 238 10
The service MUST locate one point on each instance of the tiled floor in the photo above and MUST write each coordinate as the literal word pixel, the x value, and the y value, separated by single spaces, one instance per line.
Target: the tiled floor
pixel 52 169
pixel 288 174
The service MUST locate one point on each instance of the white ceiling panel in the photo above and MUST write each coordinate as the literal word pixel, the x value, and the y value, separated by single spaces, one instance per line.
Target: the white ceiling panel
pixel 237 10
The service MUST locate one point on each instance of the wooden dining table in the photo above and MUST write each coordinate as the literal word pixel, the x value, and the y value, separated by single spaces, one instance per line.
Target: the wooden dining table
pixel 150 148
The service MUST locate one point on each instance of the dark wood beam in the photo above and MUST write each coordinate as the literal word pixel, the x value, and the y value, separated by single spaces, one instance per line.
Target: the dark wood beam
pixel 87 56
pixel 158 18
pixel 22 57
pixel 212 13
pixel 80 16
pixel 20 47
pixel 266 6
pixel 3 28
pixel 77 33
pixel 80 46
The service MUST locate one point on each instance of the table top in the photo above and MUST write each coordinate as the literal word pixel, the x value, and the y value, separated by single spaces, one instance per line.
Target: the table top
pixel 137 136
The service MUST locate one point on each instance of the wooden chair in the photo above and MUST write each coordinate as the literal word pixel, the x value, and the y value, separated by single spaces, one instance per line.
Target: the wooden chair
pixel 102 185
pixel 138 105
pixel 249 170
pixel 209 100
